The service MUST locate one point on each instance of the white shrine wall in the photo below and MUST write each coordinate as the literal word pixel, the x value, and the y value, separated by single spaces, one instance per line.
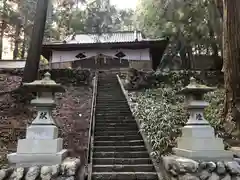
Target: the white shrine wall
pixel 68 56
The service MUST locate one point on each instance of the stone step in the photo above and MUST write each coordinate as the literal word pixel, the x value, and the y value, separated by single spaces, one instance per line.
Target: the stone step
pixel 119 143
pixel 107 120
pixel 124 176
pixel 124 168
pixel 118 148
pixel 118 138
pixel 105 126
pixel 109 161
pixel 117 127
pixel 102 88
pixel 111 101
pixel 108 85
pixel 113 94
pixel 110 109
pixel 105 109
pixel 113 106
pixel 123 114
pixel 112 89
pixel 115 120
pixel 114 115
pixel 115 133
pixel 113 112
pixel 103 82
pixel 116 97
pixel 116 88
pixel 106 93
pixel 99 124
pixel 127 128
pixel 113 98
pixel 109 92
pixel 119 115
pixel 102 117
pixel 134 154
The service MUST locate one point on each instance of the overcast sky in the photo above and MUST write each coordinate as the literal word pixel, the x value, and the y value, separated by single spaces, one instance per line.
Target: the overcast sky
pixel 123 4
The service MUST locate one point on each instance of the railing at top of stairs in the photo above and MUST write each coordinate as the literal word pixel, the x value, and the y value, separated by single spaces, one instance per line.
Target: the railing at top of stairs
pixel 91 129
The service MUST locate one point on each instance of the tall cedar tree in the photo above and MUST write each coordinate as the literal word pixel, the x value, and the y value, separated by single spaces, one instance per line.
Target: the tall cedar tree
pixel 231 56
pixel 34 52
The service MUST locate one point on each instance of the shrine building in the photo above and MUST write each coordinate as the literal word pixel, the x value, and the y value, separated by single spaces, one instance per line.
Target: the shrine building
pixel 106 51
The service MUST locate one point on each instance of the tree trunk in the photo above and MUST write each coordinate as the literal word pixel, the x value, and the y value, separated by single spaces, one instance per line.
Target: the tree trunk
pixel 218 63
pixel 24 41
pixel 1 38
pixel 3 27
pixel 23 47
pixel 219 4
pixel 16 42
pixel 34 52
pixel 231 56
pixel 190 58
pixel 213 43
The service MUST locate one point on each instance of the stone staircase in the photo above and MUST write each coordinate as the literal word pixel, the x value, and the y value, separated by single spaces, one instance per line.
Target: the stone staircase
pixel 118 151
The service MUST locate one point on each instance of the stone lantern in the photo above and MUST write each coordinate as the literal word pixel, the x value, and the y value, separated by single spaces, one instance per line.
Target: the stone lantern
pixel 198 139
pixel 42 145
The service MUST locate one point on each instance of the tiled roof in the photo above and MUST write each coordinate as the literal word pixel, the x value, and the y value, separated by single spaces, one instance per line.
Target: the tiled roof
pixel 115 37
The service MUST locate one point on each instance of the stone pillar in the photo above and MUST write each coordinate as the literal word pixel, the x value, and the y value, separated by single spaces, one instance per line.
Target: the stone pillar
pixel 42 145
pixel 198 139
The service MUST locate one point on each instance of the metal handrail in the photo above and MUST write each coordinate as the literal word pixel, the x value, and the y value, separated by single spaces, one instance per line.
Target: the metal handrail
pixel 91 127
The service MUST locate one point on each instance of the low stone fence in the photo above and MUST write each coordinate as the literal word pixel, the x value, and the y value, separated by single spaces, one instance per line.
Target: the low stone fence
pixel 179 168
pixel 70 169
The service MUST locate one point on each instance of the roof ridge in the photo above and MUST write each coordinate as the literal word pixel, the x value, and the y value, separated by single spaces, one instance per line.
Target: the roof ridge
pixel 115 32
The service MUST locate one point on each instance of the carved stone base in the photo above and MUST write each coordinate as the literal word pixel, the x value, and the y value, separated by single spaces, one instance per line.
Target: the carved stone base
pixel 42 146
pixel 27 160
pixel 199 142
pixel 204 154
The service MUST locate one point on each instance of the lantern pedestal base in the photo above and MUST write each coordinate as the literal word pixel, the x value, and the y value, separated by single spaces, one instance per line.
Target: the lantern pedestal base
pixel 42 146
pixel 27 160
pixel 199 142
pixel 204 154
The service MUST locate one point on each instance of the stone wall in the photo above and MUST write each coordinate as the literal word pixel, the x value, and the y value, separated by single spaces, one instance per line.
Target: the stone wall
pixel 140 64
pixel 61 65
pixel 179 168
pixel 70 169
pixel 63 76
pixel 136 79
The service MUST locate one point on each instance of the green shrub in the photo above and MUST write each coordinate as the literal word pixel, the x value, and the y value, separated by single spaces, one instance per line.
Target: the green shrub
pixel 161 115
pixel 213 113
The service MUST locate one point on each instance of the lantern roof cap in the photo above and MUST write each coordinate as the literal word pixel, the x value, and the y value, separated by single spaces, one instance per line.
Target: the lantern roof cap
pixel 46 84
pixel 194 88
